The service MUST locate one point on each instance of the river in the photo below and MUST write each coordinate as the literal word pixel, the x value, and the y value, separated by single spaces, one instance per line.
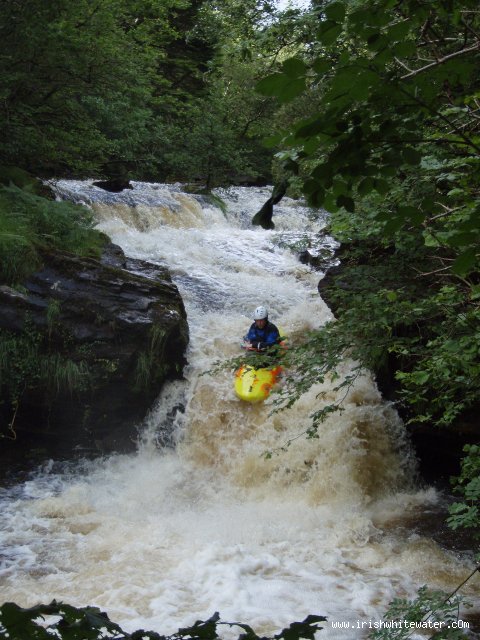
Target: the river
pixel 174 533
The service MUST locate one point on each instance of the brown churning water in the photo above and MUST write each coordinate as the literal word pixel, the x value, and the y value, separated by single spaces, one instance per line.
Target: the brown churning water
pixel 162 538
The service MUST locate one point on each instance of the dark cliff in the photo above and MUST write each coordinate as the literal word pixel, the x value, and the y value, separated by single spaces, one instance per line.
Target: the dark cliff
pixel 91 343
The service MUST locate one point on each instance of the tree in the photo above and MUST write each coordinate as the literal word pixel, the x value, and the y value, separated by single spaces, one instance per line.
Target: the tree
pixel 398 90
pixel 83 83
pixel 392 151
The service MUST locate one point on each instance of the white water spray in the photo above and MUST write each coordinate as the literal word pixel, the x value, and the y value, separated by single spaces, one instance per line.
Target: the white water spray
pixel 162 538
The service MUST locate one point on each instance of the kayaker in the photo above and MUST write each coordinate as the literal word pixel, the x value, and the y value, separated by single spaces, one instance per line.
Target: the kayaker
pixel 263 333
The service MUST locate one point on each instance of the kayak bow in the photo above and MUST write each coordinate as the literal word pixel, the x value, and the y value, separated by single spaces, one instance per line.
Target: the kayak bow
pixel 254 385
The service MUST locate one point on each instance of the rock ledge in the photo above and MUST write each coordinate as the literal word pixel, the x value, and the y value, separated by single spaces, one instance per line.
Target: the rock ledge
pixel 119 323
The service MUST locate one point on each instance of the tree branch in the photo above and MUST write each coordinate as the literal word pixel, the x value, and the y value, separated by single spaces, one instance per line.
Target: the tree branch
pixel 476 47
pixel 398 61
pixel 440 115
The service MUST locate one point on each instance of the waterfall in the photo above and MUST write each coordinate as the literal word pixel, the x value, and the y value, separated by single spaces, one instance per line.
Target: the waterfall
pixel 169 535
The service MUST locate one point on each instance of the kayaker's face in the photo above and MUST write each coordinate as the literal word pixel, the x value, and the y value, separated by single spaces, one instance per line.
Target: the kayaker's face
pixel 261 323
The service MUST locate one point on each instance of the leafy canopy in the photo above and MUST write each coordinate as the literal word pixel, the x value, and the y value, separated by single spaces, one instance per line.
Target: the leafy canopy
pixel 398 94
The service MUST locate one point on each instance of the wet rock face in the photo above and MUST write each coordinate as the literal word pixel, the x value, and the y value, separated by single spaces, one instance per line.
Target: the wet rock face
pixel 117 327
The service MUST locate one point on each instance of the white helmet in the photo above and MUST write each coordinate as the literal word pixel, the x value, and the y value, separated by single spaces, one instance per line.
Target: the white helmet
pixel 260 313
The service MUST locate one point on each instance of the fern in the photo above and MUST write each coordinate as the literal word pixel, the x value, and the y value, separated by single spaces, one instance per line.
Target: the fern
pixel 30 223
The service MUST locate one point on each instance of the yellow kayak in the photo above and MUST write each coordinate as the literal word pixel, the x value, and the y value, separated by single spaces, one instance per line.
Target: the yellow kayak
pixel 254 385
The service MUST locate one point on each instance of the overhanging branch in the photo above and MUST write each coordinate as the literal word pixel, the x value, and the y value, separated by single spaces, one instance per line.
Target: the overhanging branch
pixel 475 47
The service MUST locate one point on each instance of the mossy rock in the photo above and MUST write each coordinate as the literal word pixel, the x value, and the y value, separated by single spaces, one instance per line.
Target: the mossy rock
pixel 23 180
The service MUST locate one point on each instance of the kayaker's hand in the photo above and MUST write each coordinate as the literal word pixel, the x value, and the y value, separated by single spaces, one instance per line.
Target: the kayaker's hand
pixel 246 345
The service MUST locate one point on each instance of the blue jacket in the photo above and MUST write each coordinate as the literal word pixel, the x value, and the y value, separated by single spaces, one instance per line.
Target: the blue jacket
pixel 262 338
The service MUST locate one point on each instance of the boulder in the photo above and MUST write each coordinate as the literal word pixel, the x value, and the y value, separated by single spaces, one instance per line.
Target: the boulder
pixel 110 333
pixel 318 260
pixel 115 185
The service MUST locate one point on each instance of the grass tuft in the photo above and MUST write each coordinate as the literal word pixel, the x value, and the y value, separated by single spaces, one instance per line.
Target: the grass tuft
pixel 30 223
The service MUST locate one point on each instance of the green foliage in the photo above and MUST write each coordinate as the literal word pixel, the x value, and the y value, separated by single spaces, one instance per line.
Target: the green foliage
pixel 202 145
pixel 30 224
pixel 391 149
pixel 83 87
pixel 387 319
pixel 28 361
pixel 151 364
pixel 466 514
pixel 10 175
pixel 304 368
pixel 430 611
pixel 150 89
pixel 89 623
pixel 30 364
pixel 218 202
pixel 19 362
pixel 51 77
pixel 287 84
pixel 33 361
pixel 58 374
pixel 442 381
pixel 385 115
pixel 53 313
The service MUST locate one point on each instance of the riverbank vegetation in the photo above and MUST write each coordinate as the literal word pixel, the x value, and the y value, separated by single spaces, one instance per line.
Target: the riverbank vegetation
pixel 392 152
pixel 31 225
